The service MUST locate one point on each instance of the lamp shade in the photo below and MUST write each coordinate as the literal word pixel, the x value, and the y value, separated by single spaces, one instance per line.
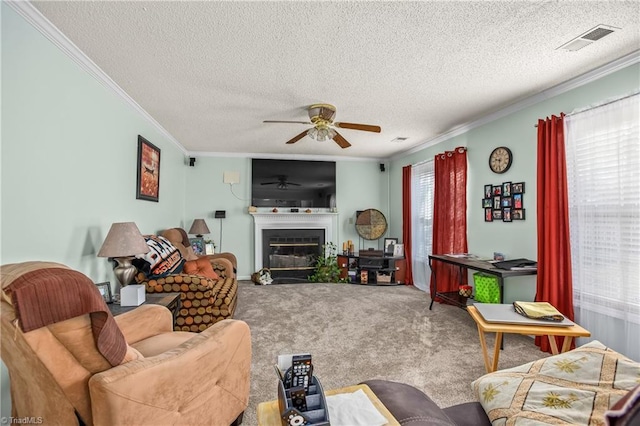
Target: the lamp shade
pixel 124 239
pixel 199 227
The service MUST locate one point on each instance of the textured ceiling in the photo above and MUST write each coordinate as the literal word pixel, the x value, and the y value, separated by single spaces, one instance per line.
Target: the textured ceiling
pixel 210 72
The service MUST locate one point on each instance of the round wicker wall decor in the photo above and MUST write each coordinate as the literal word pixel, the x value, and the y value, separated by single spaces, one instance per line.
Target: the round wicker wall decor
pixel 371 224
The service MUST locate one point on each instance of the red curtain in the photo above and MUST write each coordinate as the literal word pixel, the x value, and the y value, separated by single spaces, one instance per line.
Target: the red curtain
pixel 449 217
pixel 406 222
pixel 554 283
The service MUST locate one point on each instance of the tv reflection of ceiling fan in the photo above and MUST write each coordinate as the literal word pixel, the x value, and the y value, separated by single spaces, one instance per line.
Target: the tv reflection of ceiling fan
pixel 321 116
pixel 282 182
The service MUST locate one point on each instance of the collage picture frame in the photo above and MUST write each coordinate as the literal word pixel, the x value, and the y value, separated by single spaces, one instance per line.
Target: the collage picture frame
pixel 504 202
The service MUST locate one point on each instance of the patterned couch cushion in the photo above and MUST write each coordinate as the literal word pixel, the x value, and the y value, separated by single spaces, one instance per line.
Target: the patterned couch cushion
pixel 162 259
pixel 575 387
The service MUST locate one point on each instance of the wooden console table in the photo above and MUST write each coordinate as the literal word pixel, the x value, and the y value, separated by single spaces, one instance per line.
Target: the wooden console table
pixel 476 265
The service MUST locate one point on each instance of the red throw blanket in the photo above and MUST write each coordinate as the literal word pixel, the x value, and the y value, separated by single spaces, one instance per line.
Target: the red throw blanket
pixel 50 295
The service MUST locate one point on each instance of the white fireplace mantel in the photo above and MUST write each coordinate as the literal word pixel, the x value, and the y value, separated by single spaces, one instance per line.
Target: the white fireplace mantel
pixel 262 221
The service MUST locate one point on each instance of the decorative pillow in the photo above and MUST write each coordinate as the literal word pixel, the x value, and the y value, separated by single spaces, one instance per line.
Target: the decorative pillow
pixel 575 387
pixel 162 259
pixel 200 267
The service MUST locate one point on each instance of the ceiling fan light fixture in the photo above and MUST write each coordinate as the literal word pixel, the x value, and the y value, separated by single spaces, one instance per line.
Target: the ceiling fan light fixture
pixel 322 111
pixel 313 133
pixel 323 134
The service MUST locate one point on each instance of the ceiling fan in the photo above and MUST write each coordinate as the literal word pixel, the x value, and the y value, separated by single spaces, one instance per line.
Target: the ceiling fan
pixel 321 116
pixel 282 182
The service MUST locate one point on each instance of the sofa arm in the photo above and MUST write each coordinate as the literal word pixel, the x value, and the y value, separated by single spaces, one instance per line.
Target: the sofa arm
pixel 145 321
pixel 207 377
pixel 409 406
pixel 221 266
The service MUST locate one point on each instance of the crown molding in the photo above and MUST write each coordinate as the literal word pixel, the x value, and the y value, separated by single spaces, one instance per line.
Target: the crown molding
pixel 55 36
pixel 588 77
pixel 283 156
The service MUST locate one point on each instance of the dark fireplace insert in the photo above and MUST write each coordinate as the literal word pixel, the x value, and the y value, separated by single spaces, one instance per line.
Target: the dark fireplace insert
pixel 291 254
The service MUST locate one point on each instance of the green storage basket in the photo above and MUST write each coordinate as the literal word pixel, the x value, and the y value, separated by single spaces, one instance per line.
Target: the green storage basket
pixel 487 288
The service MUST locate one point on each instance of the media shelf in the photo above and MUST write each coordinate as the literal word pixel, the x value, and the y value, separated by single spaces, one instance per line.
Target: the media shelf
pixel 372 268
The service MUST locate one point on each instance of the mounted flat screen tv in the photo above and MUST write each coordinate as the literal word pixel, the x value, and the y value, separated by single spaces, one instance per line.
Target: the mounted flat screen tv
pixel 293 183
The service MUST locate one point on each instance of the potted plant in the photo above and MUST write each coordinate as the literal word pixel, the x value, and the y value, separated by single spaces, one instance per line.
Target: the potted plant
pixel 327 269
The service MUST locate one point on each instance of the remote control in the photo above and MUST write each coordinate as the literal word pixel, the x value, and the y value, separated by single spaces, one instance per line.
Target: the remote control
pixel 299 398
pixel 293 417
pixel 301 371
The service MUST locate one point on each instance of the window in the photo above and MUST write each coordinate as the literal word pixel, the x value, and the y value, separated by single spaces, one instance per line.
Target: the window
pixel 603 180
pixel 422 185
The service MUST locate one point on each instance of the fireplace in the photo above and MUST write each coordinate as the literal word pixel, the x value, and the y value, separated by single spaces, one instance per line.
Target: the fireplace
pixel 291 254
pixel 320 225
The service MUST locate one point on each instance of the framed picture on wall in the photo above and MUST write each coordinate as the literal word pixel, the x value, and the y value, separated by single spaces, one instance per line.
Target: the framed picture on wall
pixel 488 191
pixel 148 182
pixel 488 215
pixel 506 214
pixel 517 201
pixel 518 214
pixel 506 189
pixel 518 188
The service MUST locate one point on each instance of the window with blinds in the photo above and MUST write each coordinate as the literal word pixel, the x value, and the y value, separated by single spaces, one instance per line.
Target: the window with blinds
pixel 422 187
pixel 603 179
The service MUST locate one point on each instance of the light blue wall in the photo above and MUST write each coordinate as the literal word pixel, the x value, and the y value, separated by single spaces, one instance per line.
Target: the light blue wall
pixel 68 164
pixel 361 185
pixel 516 131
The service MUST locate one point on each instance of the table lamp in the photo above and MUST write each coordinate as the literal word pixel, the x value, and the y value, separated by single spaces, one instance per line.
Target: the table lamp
pixel 199 227
pixel 122 243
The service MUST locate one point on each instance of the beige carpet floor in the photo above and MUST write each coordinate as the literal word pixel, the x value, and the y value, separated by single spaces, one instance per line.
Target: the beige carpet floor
pixel 356 333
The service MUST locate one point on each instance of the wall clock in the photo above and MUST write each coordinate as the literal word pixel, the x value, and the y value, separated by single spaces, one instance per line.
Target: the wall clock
pixel 500 159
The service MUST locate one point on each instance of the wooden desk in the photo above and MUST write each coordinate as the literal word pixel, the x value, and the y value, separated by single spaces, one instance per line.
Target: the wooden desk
pixel 269 412
pixel 475 265
pixel 530 330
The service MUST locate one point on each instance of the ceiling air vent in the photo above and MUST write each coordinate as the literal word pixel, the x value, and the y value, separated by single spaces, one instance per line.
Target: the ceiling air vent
pixel 399 139
pixel 594 34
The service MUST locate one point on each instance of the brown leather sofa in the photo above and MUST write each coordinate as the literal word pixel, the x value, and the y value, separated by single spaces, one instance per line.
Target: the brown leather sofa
pixel 58 375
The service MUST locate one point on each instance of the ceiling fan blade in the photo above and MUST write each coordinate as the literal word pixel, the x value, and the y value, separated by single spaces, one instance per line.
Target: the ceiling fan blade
pixel 356 126
pixel 280 121
pixel 341 141
pixel 297 138
pixel 269 183
pixel 294 184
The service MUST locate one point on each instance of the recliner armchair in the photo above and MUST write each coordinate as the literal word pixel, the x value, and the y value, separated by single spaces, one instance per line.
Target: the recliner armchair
pixel 57 373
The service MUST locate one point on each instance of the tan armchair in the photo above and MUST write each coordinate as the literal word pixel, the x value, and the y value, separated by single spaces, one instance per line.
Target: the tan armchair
pixel 57 373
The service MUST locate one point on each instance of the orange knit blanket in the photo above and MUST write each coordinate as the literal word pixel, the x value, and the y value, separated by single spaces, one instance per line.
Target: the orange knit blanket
pixel 50 295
